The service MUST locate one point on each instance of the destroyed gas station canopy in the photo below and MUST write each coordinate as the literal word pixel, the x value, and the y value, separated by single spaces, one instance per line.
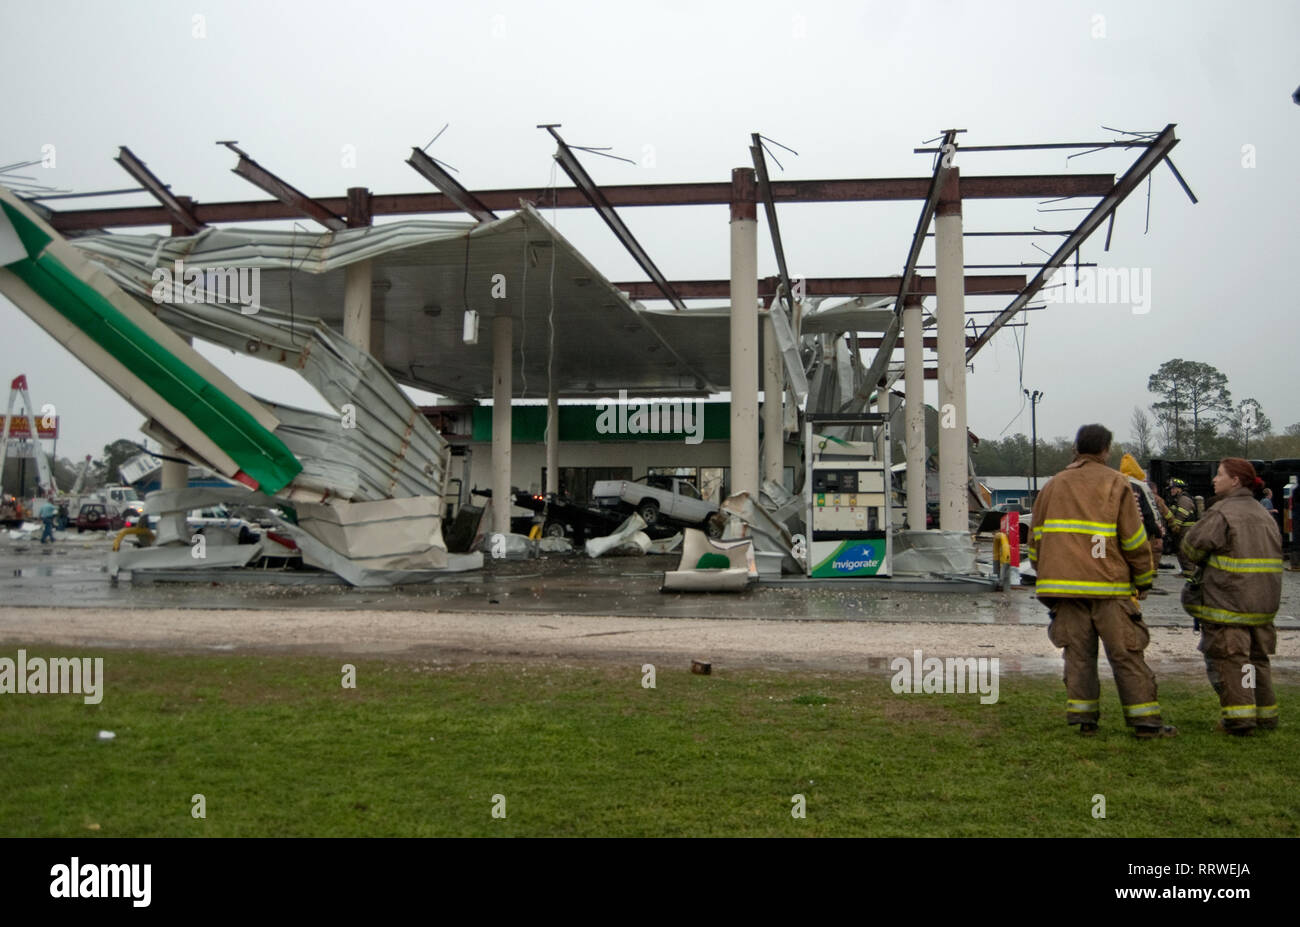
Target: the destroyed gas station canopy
pixel 409 298
pixel 425 275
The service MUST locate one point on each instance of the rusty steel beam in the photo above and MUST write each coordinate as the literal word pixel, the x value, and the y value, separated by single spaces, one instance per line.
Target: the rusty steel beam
pixel 177 211
pixel 928 341
pixel 769 207
pixel 432 171
pixel 976 285
pixel 677 194
pixel 1050 145
pixel 596 199
pixel 944 173
pixel 1143 166
pixel 289 195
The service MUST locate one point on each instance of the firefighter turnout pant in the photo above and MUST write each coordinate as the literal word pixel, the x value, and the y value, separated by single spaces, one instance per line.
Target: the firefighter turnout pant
pixel 1236 660
pixel 1185 566
pixel 1076 626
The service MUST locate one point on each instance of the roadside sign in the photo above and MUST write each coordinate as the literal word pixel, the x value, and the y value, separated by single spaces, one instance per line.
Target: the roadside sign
pixel 20 427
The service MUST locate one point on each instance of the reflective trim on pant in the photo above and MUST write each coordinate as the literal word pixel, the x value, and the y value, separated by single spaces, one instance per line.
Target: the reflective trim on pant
pixel 1079 709
pixel 1078 626
pixel 1236 655
pixel 1144 710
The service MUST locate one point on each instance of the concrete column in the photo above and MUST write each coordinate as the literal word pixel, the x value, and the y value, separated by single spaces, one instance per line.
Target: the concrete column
pixel 175 475
pixel 356 304
pixel 357 277
pixel 502 355
pixel 553 439
pixel 914 412
pixel 744 332
pixel 773 397
pixel 954 507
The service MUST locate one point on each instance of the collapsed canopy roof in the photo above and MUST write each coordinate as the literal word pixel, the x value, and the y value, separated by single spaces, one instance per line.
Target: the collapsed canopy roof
pixel 425 275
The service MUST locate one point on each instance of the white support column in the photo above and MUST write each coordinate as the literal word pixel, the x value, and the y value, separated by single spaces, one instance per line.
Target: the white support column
pixel 552 439
pixel 357 279
pixel 773 397
pixel 914 412
pixel 744 332
pixel 356 304
pixel 502 385
pixel 954 507
pixel 175 475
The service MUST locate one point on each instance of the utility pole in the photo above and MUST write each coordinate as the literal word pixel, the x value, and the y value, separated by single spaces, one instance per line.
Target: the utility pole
pixel 1034 399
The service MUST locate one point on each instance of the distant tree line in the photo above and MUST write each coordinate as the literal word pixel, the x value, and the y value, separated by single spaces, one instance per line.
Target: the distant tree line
pixel 1192 418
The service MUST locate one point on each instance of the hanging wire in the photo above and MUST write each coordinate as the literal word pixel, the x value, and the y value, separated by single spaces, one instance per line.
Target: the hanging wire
pixel 293 246
pixel 550 319
pixel 763 140
pixel 603 152
pixel 1020 352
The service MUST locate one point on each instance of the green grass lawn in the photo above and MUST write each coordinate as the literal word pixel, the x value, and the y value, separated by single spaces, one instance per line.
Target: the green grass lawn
pixel 279 748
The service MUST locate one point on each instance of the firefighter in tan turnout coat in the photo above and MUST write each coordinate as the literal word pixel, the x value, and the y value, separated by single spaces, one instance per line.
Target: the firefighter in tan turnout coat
pixel 1234 594
pixel 1094 562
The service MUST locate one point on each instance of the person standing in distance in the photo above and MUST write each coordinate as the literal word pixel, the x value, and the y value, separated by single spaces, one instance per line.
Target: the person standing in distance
pixel 1093 561
pixel 1234 595
pixel 1182 515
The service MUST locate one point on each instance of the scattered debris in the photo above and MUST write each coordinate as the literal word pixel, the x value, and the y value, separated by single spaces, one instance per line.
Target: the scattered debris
pixel 921 553
pixel 628 533
pixel 555 546
pixel 701 668
pixel 768 534
pixel 712 566
pixel 666 545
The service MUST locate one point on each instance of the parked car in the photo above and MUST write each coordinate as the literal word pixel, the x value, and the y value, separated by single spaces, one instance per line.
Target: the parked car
pixel 218 516
pixel 95 516
pixel 657 497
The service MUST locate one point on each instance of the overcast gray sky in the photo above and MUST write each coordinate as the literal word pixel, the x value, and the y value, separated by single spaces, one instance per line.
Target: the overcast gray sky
pixel 678 87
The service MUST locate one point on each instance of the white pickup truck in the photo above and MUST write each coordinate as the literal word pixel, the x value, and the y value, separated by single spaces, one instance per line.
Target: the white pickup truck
pixel 657 498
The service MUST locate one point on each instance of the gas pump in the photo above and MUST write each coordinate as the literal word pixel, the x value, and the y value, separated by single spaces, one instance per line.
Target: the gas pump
pixel 848 497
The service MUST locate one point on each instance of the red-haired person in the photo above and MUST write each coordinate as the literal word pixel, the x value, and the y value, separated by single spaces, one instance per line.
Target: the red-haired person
pixel 1235 594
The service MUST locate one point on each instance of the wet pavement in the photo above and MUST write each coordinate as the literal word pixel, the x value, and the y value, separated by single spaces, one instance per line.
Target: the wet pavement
pixel 73 573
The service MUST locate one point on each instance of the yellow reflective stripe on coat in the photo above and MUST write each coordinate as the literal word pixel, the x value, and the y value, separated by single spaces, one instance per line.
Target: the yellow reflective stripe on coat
pixel 1136 541
pixel 1142 710
pixel 1082 706
pixel 1081 587
pixel 1266 711
pixel 1072 526
pixel 1145 579
pixel 1245 564
pixel 1238 711
pixel 1224 616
